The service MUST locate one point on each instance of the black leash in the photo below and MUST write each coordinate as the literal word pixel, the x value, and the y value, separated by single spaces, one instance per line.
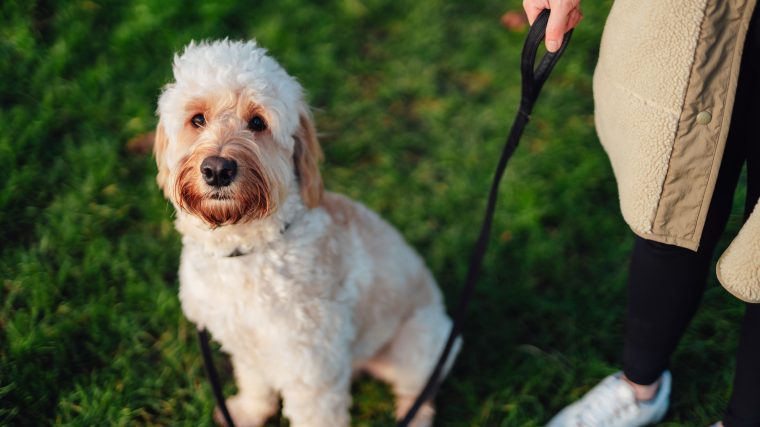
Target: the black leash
pixel 532 81
pixel 216 385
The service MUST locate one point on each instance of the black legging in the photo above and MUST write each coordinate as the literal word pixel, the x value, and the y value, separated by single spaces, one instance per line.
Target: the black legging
pixel 666 282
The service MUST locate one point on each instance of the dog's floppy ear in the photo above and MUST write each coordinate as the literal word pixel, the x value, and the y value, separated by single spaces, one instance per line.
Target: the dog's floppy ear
pixel 306 156
pixel 159 146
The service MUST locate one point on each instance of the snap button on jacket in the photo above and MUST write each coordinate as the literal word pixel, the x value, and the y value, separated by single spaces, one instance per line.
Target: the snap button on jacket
pixel 664 90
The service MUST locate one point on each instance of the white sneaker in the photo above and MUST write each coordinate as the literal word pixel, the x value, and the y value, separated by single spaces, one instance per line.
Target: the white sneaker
pixel 612 403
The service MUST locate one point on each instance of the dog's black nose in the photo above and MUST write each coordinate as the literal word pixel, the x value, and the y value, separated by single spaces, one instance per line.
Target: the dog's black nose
pixel 218 171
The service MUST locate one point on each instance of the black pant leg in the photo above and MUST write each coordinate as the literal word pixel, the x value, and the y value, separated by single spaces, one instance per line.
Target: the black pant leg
pixel 744 406
pixel 666 284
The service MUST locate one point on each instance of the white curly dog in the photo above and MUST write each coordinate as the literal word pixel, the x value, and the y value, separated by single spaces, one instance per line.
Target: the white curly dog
pixel 303 288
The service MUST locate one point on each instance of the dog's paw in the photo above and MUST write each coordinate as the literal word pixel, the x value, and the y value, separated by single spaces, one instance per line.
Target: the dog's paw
pixel 245 413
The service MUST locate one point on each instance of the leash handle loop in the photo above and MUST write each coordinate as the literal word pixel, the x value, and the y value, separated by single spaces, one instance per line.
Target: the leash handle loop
pixel 533 79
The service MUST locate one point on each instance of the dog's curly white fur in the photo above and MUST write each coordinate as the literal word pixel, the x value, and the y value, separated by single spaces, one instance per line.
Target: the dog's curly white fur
pixel 322 287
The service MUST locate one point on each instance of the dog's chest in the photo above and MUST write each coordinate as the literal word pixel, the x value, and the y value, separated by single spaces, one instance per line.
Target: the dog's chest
pixel 222 295
pixel 254 303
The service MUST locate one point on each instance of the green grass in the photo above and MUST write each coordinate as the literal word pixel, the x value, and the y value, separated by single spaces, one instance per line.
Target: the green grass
pixel 413 100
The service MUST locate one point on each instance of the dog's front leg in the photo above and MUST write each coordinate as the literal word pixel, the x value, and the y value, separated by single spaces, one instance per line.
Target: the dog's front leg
pixel 318 404
pixel 256 400
pixel 317 390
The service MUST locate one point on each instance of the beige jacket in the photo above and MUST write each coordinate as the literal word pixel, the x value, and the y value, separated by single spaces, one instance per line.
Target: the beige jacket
pixel 664 89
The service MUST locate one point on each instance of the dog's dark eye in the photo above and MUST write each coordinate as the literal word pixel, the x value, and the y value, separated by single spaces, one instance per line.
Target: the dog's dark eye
pixel 198 120
pixel 257 124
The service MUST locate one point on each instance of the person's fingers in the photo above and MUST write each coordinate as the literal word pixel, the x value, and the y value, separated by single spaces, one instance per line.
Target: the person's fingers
pixel 566 14
pixel 575 17
pixel 558 21
pixel 533 8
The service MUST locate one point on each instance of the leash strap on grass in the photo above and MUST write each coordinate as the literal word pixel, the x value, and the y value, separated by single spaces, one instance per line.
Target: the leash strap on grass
pixel 213 377
pixel 532 81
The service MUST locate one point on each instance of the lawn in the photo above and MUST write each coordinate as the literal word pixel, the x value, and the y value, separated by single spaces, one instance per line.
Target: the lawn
pixel 412 100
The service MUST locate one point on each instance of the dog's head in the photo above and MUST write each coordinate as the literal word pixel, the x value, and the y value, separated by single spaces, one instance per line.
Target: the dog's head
pixel 233 135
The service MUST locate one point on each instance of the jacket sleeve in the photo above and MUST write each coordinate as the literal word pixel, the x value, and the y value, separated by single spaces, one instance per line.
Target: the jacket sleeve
pixel 739 267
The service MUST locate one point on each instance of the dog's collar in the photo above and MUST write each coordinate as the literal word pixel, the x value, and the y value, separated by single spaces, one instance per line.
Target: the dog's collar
pixel 237 252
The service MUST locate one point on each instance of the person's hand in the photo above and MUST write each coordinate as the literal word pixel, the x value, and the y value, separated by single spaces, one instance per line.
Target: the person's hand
pixel 566 14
